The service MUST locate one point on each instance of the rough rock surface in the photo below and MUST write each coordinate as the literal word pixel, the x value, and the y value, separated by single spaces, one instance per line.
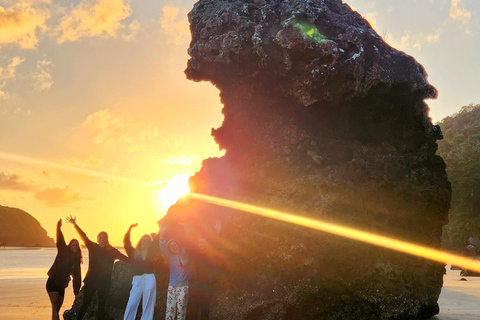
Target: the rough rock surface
pixel 18 228
pixel 323 119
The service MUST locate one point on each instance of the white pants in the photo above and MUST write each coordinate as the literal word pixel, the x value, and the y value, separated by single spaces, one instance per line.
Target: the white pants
pixel 144 286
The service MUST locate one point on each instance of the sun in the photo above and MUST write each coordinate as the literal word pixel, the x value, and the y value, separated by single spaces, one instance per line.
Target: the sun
pixel 168 192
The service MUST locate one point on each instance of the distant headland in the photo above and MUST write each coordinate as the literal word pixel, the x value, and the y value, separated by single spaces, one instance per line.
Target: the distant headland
pixel 18 228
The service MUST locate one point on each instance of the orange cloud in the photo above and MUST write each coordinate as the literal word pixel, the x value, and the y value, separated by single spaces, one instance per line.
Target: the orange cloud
pixel 8 74
pixel 131 31
pixel 428 38
pixel 175 25
pixel 42 78
pixel 120 133
pixel 15 181
pixel 93 18
pixel 91 162
pixel 19 24
pixel 458 12
pixel 58 197
pixel 182 160
pixel 372 19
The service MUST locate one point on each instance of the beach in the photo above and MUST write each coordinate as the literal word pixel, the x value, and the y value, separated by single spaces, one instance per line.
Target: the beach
pixel 26 299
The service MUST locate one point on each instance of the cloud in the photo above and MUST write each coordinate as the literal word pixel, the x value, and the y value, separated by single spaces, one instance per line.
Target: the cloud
pixel 416 41
pixel 182 160
pixel 58 197
pixel 15 181
pixel 131 31
pixel 19 24
pixel 93 18
pixel 429 38
pixel 175 26
pixel 90 162
pixel 120 133
pixel 372 19
pixel 400 44
pixel 458 12
pixel 42 78
pixel 8 74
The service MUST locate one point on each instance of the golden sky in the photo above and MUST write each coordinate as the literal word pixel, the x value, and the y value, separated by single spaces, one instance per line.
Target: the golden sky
pixel 98 85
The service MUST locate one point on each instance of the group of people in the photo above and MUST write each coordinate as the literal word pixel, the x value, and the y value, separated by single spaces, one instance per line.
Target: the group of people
pixel 189 270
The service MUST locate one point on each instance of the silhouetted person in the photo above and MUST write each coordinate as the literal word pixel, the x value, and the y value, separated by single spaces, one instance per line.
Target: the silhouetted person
pixel 99 274
pixel 144 284
pixel 202 277
pixel 66 264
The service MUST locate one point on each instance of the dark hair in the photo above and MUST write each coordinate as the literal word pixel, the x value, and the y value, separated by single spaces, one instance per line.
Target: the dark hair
pixel 104 233
pixel 78 254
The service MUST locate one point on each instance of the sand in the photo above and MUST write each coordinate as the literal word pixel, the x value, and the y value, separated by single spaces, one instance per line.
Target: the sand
pixel 26 299
pixel 459 300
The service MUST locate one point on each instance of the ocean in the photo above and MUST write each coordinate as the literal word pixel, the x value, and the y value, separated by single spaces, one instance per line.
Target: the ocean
pixel 25 263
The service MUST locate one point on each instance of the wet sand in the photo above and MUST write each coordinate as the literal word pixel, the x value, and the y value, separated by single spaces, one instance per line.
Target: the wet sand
pixel 459 300
pixel 26 299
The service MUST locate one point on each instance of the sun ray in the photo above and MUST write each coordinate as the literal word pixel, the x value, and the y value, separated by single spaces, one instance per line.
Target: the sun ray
pixel 363 236
pixel 177 187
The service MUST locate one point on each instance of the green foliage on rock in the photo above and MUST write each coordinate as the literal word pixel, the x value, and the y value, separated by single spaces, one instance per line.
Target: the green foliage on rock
pixel 461 151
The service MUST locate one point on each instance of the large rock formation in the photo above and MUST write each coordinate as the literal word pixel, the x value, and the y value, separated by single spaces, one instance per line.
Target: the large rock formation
pixel 18 228
pixel 323 119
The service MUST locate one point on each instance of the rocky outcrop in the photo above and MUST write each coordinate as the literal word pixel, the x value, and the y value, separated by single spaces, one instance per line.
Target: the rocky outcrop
pixel 18 228
pixel 323 119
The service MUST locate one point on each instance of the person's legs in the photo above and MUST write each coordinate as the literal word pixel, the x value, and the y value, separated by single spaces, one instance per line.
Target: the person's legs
pixel 182 301
pixel 149 296
pixel 193 306
pixel 102 294
pixel 56 304
pixel 134 299
pixel 88 292
pixel 56 295
pixel 171 304
pixel 205 300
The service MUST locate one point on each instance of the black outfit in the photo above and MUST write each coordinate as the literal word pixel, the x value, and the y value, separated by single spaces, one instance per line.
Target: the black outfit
pixel 66 264
pixel 203 275
pixel 98 278
pixel 140 266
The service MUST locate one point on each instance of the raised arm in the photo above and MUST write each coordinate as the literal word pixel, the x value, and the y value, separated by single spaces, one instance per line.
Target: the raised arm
pixel 162 243
pixel 127 243
pixel 60 238
pixel 80 232
pixel 184 257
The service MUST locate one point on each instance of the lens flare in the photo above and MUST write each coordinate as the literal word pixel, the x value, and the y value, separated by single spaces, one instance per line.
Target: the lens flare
pixel 54 165
pixel 367 237
pixel 171 190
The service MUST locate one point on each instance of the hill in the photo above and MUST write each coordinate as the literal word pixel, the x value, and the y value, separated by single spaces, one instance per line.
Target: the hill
pixel 460 149
pixel 19 228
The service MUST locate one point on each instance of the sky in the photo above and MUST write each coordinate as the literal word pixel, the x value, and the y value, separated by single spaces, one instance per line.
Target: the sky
pixel 96 114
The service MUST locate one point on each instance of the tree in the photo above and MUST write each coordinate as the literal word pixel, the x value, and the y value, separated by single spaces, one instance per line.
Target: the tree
pixel 461 151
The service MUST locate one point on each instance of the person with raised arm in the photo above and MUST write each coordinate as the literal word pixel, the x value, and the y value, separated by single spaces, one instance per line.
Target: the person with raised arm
pixel 144 284
pixel 66 265
pixel 100 265
pixel 177 295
